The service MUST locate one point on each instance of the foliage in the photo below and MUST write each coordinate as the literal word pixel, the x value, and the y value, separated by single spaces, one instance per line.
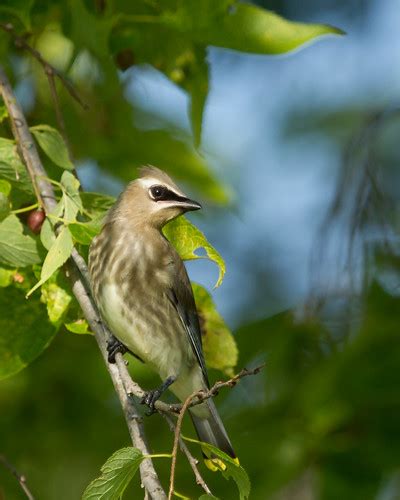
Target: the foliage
pixel 117 472
pixel 91 43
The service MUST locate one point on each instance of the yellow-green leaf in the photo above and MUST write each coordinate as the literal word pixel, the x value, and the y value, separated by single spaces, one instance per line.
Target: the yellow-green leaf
pixel 52 143
pixel 57 301
pixel 219 346
pixel 242 26
pixel 187 239
pixel 233 469
pixel 56 257
pixel 80 326
pixel 116 474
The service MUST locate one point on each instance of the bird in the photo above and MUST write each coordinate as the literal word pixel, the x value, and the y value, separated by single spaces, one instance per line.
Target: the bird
pixel 144 295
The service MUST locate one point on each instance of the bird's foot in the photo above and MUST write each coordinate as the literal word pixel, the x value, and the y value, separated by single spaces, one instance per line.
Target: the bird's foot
pixel 151 397
pixel 114 346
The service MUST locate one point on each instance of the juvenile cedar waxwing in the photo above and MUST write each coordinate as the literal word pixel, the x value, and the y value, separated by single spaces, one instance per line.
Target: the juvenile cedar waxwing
pixel 144 295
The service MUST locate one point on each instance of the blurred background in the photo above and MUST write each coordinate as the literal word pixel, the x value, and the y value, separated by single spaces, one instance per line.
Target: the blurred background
pixel 298 175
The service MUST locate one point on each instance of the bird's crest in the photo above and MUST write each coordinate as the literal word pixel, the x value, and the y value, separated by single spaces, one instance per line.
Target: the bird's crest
pixel 156 173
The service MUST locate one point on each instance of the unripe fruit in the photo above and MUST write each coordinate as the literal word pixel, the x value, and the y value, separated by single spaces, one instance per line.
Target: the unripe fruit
pixel 35 220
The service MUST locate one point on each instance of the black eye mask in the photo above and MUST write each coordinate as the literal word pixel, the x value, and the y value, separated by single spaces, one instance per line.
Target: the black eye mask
pixel 162 193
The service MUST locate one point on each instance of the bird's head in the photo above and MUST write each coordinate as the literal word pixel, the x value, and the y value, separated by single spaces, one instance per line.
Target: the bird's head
pixel 153 199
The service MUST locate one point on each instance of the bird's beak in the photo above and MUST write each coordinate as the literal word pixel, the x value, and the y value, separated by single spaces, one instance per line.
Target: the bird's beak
pixel 188 205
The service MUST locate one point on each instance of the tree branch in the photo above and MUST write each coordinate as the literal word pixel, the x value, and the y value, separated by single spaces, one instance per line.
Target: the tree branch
pixel 20 478
pixel 134 389
pixel 50 70
pixel 179 422
pixel 193 462
pixel 78 274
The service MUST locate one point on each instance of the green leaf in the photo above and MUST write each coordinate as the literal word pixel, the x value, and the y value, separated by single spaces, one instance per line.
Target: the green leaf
pixel 117 472
pixel 5 189
pixel 47 236
pixel 84 232
pixel 242 26
pixel 71 198
pixel 6 277
pixel 186 238
pixel 11 167
pixel 25 330
pixel 80 326
pixel 16 248
pixel 57 301
pixel 233 470
pixel 52 143
pixel 56 257
pixel 3 113
pixel 219 345
pixel 96 204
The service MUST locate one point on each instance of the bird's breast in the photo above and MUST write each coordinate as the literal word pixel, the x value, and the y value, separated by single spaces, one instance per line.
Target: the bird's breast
pixel 130 284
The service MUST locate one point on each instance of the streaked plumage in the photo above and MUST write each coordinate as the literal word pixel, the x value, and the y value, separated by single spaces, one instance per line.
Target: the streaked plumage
pixel 144 294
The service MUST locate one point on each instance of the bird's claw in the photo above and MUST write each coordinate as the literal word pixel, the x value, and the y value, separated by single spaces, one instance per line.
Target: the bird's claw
pixel 114 346
pixel 150 399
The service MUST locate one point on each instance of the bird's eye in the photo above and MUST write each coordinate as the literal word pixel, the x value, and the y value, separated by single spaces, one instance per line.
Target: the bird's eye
pixel 158 192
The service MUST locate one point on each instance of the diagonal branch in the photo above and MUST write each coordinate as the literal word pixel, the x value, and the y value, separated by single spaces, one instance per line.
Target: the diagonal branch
pixel 50 70
pixel 20 477
pixel 77 273
pixel 134 389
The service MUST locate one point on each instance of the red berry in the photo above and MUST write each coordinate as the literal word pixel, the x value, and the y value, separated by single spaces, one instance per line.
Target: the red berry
pixel 35 220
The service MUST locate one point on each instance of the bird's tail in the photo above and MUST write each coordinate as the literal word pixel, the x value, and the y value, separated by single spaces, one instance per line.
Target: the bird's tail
pixel 211 430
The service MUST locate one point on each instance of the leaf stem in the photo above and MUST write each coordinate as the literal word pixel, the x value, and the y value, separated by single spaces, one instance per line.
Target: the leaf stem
pixel 25 209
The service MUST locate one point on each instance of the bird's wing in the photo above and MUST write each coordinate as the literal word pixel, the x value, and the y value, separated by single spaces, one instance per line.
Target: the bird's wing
pixel 181 296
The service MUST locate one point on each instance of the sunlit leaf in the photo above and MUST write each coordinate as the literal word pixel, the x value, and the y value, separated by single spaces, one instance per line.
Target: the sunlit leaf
pixel 16 248
pixel 117 472
pixel 233 469
pixel 187 239
pixel 5 189
pixel 71 196
pixel 57 301
pixel 56 257
pixel 242 26
pixel 47 236
pixel 3 113
pixel 6 277
pixel 79 326
pixel 219 345
pixel 52 143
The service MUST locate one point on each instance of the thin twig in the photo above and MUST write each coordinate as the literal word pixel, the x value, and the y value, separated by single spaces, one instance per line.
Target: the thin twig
pixel 20 477
pixel 193 462
pixel 134 389
pixel 49 69
pixel 78 274
pixel 201 396
pixel 59 115
pixel 178 428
